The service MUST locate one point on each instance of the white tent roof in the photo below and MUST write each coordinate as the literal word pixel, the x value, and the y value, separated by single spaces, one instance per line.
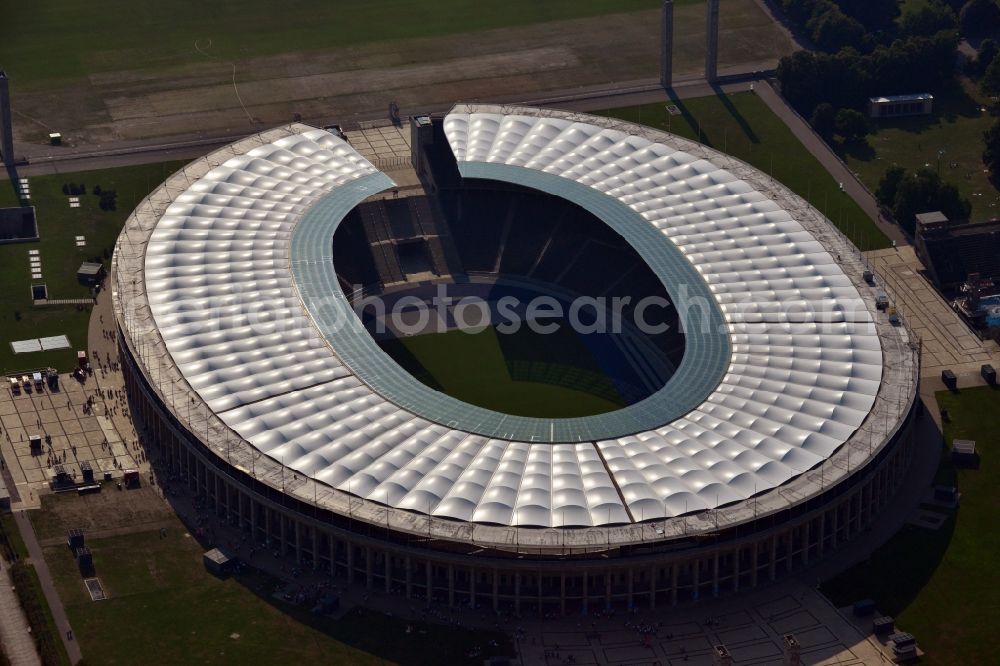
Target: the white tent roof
pixel 805 366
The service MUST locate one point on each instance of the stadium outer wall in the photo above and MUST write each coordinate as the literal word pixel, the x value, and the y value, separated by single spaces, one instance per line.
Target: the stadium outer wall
pixel 709 553
pixel 652 574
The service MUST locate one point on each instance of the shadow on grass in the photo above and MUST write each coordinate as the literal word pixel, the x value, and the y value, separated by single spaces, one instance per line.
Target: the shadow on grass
pixel 735 113
pixel 689 118
pixel 12 176
pixel 895 573
pixel 859 150
pixel 414 643
pixel 427 643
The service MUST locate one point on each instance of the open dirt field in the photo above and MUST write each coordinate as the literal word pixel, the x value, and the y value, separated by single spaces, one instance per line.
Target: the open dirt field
pixel 194 91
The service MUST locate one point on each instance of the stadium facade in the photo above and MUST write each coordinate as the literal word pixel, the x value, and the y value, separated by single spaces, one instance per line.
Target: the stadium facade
pixel 785 429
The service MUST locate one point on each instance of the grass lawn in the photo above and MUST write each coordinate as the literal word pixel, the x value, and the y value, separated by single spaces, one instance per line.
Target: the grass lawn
pixel 58 225
pixel 941 585
pixel 742 125
pixel 443 361
pixel 164 608
pixel 11 543
pixel 64 38
pixel 956 126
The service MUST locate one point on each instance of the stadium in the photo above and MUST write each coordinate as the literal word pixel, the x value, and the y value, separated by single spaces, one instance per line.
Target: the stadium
pixel 763 422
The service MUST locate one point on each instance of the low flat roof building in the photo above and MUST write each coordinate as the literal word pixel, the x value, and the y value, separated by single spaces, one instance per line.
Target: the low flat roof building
pixel 952 252
pixel 893 106
pixel 217 562
pixel 90 272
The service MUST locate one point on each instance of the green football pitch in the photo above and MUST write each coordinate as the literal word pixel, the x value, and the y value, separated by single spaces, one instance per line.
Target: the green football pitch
pixel 525 374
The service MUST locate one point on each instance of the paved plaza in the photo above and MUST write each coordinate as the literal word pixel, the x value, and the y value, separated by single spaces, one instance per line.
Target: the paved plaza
pixel 947 342
pixel 75 434
pixel 751 626
pixel 382 145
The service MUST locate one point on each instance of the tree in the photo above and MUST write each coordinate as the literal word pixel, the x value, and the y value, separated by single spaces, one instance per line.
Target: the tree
pixel 823 120
pixel 833 30
pixel 987 53
pixel 851 124
pixel 979 17
pixel 991 152
pixel 873 14
pixel 928 19
pixel 108 200
pixel 800 79
pixel 799 11
pixel 885 194
pixel 923 191
pixel 990 83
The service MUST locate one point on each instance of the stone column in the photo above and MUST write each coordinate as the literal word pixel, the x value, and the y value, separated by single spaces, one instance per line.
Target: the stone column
pixel 836 527
pixel 284 542
pixel 715 574
pixel 330 552
pixel 628 600
pixel 496 590
pixel 821 540
pixel 774 556
pixel 667 44
pixel 254 522
pixel 805 544
pixel 472 588
pixel 712 42
pixel 298 544
pixel 369 568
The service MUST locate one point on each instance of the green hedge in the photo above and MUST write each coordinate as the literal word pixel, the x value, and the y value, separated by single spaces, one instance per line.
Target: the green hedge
pixel 43 626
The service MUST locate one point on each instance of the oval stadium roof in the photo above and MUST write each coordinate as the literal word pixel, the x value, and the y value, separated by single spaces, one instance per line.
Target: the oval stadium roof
pixel 237 268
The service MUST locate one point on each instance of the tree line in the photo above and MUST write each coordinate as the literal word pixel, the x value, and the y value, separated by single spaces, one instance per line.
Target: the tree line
pixel 869 48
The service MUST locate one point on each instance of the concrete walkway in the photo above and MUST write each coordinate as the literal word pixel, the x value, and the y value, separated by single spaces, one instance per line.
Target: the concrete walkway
pixel 15 636
pixel 101 341
pixel 48 587
pixel 830 161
